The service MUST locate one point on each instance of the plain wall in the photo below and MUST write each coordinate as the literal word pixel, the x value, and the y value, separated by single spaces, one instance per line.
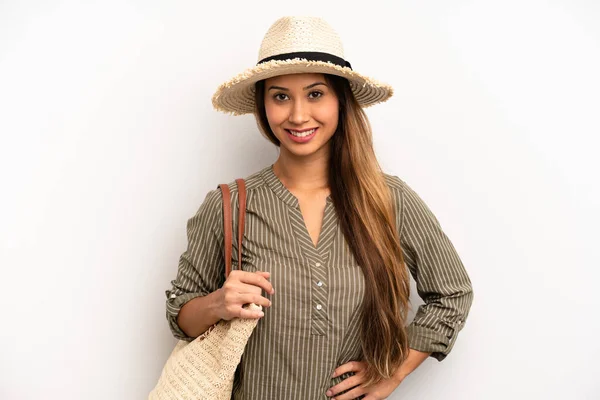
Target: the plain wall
pixel 109 143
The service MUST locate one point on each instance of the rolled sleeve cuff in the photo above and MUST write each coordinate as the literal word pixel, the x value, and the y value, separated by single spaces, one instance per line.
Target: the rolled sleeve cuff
pixel 174 304
pixel 429 341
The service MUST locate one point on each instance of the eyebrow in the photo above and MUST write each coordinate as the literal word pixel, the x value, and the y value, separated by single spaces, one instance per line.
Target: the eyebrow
pixel 308 87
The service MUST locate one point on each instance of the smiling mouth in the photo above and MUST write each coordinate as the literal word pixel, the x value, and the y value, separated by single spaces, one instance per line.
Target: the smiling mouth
pixel 304 133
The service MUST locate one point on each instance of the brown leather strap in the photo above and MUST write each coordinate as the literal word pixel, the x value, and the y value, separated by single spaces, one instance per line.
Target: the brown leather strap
pixel 241 217
pixel 227 222
pixel 227 226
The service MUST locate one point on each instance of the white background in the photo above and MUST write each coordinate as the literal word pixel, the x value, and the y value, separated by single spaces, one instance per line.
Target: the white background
pixel 109 143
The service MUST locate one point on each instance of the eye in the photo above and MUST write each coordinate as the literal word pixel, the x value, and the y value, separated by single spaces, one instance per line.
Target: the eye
pixel 317 93
pixel 276 97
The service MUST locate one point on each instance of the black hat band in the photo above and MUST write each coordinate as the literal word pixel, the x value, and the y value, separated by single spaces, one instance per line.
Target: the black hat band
pixel 311 56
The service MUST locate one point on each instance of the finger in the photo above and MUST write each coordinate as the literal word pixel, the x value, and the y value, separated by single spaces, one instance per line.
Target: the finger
pixel 267 276
pixel 247 314
pixel 246 298
pixel 349 366
pixel 351 394
pixel 257 280
pixel 344 385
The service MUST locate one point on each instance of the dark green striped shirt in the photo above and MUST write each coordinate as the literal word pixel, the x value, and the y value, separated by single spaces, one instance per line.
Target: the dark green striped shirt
pixel 312 326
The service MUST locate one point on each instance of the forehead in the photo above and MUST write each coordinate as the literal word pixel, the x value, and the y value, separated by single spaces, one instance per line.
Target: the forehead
pixel 292 80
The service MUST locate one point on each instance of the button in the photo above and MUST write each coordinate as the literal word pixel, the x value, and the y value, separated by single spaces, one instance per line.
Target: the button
pixel 317 264
pixel 319 307
pixel 173 295
pixel 319 283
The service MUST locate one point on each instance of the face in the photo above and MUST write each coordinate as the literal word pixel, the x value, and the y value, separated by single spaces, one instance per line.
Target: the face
pixel 302 110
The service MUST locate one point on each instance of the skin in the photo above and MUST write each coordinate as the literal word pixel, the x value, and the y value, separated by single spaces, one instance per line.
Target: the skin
pixel 298 102
pixel 301 101
pixel 380 390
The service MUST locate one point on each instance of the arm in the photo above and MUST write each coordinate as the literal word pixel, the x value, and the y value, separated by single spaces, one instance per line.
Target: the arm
pixel 442 281
pixel 190 302
pixel 197 315
pixel 414 359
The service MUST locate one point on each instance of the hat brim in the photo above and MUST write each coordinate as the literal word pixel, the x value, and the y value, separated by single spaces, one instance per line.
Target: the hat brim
pixel 236 96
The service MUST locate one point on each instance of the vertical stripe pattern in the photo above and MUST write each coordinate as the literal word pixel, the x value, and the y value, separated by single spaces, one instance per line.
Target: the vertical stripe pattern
pixel 312 326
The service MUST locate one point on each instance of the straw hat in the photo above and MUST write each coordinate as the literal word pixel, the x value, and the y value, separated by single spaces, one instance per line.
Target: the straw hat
pixel 297 45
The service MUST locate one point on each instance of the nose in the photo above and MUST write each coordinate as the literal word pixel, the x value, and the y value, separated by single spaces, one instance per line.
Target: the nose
pixel 299 113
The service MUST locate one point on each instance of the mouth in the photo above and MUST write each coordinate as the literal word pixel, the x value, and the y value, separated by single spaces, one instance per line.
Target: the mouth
pixel 301 133
pixel 302 136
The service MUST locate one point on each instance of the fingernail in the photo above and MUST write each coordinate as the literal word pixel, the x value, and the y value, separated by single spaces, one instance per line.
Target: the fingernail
pixel 329 393
pixel 272 291
pixel 261 314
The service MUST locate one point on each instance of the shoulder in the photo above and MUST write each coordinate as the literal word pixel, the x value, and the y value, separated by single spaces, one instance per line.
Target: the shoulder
pixel 393 181
pixel 253 181
pixel 409 202
pixel 396 186
pixel 211 209
pixel 399 187
pixel 405 198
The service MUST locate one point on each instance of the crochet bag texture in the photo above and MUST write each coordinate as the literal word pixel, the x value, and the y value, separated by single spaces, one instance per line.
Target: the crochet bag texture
pixel 205 367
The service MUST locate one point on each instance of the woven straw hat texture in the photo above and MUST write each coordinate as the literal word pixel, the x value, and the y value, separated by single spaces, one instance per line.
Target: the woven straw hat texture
pixel 290 35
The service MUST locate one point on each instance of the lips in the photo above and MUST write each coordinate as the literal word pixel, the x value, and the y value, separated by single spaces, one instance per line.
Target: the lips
pixel 302 133
pixel 300 130
pixel 306 137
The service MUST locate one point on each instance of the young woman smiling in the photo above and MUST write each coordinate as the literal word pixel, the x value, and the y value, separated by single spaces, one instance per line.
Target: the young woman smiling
pixel 330 239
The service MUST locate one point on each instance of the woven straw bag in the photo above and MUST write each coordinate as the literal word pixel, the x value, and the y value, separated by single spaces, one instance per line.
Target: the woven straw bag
pixel 205 367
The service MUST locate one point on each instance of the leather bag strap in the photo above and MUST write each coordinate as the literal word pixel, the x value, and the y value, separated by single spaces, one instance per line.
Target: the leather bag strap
pixel 228 222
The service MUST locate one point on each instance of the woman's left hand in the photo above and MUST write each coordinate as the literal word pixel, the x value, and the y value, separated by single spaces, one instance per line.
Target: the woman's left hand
pixel 378 391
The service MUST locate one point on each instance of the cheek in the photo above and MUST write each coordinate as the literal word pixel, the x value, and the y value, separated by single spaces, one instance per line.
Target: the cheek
pixel 329 114
pixel 275 115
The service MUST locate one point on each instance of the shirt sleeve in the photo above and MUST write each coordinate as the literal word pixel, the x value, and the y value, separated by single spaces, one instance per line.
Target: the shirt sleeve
pixel 201 268
pixel 441 278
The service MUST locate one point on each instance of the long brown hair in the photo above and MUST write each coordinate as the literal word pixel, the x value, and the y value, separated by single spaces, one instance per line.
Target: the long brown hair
pixel 365 210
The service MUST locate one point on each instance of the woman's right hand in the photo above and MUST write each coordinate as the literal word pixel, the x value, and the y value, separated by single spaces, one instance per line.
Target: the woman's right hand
pixel 240 288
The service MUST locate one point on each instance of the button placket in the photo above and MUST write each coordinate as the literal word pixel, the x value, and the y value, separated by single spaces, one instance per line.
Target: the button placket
pixel 319 297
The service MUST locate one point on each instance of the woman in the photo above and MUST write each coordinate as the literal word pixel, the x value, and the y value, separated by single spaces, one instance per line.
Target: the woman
pixel 330 239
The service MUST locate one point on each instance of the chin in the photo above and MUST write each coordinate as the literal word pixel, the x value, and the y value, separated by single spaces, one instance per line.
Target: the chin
pixel 305 150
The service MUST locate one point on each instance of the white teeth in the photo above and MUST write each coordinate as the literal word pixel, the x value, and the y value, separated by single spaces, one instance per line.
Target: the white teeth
pixel 301 134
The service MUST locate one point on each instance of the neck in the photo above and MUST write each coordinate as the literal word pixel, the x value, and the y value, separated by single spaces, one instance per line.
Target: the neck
pixel 303 175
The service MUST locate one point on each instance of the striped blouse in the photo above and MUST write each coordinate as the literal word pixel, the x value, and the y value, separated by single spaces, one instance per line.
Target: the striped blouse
pixel 312 326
